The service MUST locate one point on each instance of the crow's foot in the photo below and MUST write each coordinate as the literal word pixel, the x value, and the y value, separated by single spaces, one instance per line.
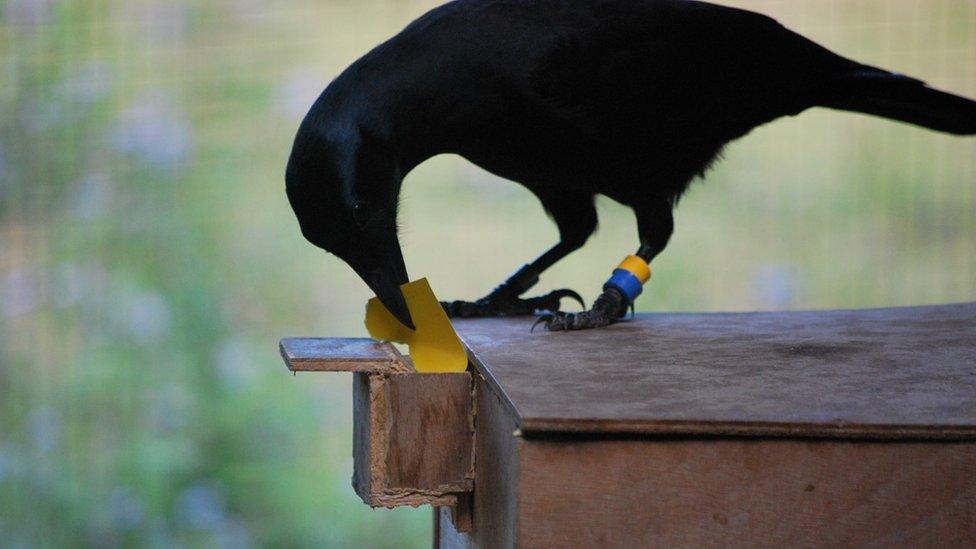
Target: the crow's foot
pixel 506 303
pixel 610 306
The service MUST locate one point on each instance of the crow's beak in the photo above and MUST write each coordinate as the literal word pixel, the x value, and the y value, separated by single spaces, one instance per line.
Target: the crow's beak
pixel 387 288
pixel 380 265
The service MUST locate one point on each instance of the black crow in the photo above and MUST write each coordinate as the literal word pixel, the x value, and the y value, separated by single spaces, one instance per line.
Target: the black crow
pixel 631 99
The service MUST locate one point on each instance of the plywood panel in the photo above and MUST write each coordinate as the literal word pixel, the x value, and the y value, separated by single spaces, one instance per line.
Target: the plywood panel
pixel 746 493
pixel 886 373
pixel 412 438
pixel 431 432
pixel 496 471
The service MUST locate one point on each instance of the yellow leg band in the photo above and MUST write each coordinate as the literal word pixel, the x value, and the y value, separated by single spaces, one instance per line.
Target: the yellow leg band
pixel 636 265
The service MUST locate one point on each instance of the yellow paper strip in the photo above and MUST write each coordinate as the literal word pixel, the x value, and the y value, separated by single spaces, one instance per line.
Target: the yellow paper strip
pixel 434 345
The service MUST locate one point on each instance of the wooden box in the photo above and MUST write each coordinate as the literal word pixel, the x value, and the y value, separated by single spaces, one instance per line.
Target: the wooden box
pixel 842 428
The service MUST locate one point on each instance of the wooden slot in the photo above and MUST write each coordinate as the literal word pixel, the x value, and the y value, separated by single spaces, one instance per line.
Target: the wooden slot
pixel 412 438
pixel 413 434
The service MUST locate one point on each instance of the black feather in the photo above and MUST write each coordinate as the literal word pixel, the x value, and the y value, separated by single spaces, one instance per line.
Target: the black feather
pixel 898 97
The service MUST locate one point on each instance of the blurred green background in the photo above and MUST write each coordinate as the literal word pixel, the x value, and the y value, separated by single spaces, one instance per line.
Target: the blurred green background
pixel 149 261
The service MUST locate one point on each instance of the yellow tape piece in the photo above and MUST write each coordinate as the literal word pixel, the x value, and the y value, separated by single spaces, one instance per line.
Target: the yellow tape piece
pixel 434 345
pixel 637 266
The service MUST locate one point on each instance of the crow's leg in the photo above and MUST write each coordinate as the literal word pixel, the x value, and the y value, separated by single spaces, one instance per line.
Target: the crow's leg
pixel 576 218
pixel 655 224
pixel 505 301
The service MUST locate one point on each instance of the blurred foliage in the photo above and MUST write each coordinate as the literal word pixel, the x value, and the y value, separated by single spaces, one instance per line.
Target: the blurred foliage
pixel 149 261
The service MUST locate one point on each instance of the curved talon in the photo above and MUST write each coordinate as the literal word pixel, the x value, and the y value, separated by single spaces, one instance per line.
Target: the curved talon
pixel 566 292
pixel 547 318
pixel 607 308
pixel 557 321
pixel 551 301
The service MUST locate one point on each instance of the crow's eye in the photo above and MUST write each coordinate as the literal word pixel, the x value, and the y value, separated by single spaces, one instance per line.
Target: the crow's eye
pixel 360 212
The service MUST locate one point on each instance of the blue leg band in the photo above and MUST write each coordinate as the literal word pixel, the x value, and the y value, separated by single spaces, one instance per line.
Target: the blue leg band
pixel 626 283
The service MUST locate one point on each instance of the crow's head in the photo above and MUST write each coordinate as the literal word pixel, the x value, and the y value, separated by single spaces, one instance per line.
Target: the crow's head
pixel 343 186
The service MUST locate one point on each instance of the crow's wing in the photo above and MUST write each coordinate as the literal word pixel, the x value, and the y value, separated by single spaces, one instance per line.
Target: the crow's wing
pixel 684 70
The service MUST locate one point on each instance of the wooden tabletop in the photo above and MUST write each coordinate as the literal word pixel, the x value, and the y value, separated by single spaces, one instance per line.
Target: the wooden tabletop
pixel 884 373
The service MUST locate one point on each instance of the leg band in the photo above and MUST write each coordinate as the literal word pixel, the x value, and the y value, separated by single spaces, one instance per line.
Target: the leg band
pixel 629 277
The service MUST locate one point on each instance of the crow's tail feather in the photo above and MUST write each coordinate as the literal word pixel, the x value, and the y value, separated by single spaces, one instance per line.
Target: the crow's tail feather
pixel 881 93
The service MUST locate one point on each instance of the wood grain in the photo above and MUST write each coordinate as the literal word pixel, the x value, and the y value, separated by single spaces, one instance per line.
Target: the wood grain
pixel 885 373
pixel 494 510
pixel 333 354
pixel 412 438
pixel 746 493
pixel 496 471
pixel 430 432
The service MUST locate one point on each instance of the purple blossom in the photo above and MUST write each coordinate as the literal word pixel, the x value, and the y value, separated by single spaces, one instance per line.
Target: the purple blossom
pixel 87 83
pixel 77 283
pixel 9 464
pixel 156 132
pixel 234 366
pixel 201 507
pixel 169 409
pixel 233 533
pixel 93 196
pixel 44 426
pixel 38 116
pixel 159 21
pixel 18 292
pixel 28 13
pixel 126 508
pixel 145 315
pixel 251 10
pixel 4 179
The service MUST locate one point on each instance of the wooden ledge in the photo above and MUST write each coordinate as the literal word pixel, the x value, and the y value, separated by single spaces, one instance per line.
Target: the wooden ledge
pixel 342 354
pixel 413 434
